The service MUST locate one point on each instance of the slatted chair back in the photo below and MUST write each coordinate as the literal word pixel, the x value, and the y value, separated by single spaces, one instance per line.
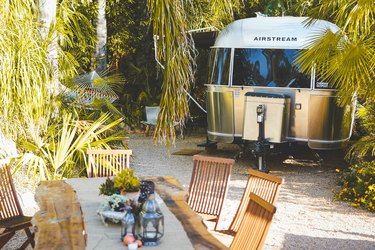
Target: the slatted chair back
pixel 264 185
pixel 11 215
pixel 104 162
pixel 209 184
pixel 255 224
pixel 10 206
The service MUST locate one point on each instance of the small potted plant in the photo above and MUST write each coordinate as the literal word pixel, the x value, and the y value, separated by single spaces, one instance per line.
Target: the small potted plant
pixel 127 183
pixel 108 188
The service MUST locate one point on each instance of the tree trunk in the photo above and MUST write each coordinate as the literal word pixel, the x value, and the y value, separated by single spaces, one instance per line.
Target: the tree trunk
pixel 101 35
pixel 47 14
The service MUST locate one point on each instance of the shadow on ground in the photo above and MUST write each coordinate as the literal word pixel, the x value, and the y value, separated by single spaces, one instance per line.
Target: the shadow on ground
pixel 293 241
pixel 298 158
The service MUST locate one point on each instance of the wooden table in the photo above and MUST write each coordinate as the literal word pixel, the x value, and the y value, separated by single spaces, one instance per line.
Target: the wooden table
pixel 183 227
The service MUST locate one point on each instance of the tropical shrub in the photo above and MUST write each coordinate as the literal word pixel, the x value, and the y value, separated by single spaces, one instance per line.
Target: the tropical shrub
pixel 364 148
pixel 61 151
pixel 25 72
pixel 51 137
pixel 358 185
pixel 130 53
pixel 338 58
pixel 27 77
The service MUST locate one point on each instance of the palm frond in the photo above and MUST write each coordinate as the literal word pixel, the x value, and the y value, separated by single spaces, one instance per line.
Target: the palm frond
pixel 176 53
pixel 113 110
pixel 36 165
pixel 62 153
pixel 24 69
pixel 223 9
pixel 365 146
pixel 115 81
pixel 347 64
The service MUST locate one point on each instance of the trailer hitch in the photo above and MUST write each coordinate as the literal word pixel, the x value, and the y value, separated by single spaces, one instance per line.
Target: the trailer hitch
pixel 262 146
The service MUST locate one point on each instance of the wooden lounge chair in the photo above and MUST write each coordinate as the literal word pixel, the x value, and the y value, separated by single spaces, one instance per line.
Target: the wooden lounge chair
pixel 255 224
pixel 264 185
pixel 104 162
pixel 209 185
pixel 11 215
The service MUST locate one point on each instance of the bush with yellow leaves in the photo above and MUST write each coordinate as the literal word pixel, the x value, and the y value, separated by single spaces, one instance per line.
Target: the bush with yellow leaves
pixel 358 185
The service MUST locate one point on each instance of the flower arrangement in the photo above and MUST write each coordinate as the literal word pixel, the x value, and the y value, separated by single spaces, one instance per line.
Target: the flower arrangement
pixel 114 206
pixel 117 202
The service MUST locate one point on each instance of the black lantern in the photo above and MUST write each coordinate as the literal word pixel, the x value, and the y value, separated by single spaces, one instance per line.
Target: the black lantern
pixel 151 222
pixel 128 223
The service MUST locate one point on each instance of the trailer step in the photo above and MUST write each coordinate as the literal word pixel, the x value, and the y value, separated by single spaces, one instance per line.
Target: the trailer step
pixel 208 144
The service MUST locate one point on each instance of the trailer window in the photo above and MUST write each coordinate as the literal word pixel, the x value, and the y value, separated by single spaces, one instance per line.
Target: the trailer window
pixel 220 62
pixel 268 68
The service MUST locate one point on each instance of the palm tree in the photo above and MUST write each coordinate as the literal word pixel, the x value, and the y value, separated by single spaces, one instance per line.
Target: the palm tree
pixel 176 53
pixel 347 58
pixel 101 38
pixel 29 110
pixel 47 17
pixel 50 135
pixel 61 152
pixel 25 71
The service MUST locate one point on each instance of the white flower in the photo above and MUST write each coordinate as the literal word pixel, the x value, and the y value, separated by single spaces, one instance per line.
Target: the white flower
pixel 108 206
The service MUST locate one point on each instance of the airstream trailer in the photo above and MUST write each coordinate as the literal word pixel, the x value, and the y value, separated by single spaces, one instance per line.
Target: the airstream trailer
pixel 252 66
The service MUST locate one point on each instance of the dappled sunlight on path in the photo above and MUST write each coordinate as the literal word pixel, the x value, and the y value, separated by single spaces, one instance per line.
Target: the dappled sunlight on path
pixel 307 215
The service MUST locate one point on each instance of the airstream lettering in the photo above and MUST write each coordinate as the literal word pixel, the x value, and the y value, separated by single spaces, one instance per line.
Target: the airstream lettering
pixel 253 65
pixel 273 39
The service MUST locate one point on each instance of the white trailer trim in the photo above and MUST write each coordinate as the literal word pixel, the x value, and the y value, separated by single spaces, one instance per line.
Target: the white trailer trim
pixel 292 33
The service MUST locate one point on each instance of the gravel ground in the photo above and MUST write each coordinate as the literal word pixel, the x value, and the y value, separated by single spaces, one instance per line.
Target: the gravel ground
pixel 307 215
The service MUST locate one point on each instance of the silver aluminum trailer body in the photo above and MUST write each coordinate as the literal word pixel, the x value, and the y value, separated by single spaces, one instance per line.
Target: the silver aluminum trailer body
pixel 257 55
